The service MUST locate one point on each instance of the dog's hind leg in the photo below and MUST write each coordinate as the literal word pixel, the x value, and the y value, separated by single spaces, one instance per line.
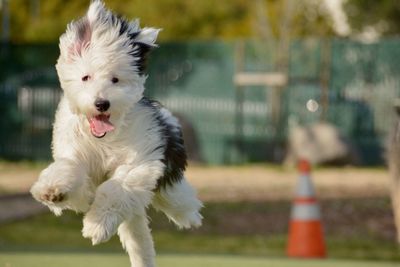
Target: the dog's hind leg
pixel 180 203
pixel 136 238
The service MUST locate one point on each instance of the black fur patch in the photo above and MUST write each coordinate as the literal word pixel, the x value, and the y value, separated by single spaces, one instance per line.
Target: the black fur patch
pixel 138 50
pixel 124 25
pixel 175 158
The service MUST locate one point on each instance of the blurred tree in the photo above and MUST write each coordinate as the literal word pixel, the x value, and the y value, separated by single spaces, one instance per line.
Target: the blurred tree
pixel 311 18
pixel 382 16
pixel 42 21
pixel 45 20
pixel 305 18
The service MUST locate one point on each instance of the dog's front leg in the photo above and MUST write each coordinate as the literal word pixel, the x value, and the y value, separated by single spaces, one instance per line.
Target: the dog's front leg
pixel 64 184
pixel 123 199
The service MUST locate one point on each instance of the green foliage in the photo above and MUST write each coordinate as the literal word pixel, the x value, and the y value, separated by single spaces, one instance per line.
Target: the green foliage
pixel 383 15
pixel 45 20
pixel 306 18
pixel 311 18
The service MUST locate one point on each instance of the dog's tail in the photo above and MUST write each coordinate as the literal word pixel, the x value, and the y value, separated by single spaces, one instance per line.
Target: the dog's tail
pixel 180 204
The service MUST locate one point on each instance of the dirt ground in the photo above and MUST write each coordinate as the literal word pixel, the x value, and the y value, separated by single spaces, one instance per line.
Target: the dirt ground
pixel 275 183
pixel 242 183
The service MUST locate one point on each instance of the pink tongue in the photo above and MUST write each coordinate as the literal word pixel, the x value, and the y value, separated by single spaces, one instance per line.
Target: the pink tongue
pixel 100 125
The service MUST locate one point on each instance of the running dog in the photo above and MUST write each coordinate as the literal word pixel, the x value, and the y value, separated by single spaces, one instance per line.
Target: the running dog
pixel 115 151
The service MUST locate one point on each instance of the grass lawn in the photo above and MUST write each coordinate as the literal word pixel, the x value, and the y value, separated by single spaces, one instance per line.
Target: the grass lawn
pixel 247 210
pixel 169 260
pixel 363 231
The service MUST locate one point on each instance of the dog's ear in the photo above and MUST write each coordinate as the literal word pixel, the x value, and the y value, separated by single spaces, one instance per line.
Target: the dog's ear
pixel 148 36
pixel 83 35
pixel 83 27
pixel 97 12
pixel 79 33
pixel 142 42
pixel 75 39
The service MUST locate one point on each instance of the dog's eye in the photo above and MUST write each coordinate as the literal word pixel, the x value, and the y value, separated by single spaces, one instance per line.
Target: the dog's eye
pixel 114 80
pixel 85 78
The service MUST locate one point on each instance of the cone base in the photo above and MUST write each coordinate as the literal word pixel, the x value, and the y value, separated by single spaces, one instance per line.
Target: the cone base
pixel 306 240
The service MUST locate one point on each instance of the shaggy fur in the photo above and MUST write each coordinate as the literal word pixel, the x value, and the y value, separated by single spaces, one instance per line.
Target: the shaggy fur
pixel 115 151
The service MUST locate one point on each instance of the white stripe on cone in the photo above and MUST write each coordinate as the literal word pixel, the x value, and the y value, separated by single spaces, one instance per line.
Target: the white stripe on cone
pixel 305 212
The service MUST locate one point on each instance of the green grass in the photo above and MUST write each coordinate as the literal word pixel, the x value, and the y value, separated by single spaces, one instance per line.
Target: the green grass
pixel 167 260
pixel 229 228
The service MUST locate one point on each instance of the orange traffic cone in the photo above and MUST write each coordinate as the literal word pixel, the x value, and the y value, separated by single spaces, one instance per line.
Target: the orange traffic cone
pixel 306 239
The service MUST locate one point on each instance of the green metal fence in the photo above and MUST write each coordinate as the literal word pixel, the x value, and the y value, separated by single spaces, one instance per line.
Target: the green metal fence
pixel 354 83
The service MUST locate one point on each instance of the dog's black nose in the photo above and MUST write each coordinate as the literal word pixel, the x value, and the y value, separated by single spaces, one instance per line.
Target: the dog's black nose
pixel 102 104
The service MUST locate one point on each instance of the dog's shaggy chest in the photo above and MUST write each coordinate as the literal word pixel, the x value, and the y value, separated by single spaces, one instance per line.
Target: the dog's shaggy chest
pixel 149 132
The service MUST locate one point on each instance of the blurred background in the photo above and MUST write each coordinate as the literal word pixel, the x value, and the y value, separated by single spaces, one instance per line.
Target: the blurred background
pixel 257 85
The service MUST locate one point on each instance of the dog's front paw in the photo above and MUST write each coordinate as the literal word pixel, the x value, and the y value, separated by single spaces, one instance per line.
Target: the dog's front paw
pixel 100 228
pixel 52 194
pixel 63 184
pixel 53 184
pixel 48 193
pixel 49 188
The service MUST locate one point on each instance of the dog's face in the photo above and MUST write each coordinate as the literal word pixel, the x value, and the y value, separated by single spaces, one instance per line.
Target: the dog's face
pixel 101 66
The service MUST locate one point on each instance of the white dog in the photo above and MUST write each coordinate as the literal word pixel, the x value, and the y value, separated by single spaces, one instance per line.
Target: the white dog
pixel 115 151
